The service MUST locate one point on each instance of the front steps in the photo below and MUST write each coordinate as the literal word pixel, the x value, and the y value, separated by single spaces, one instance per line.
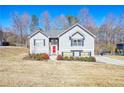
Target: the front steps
pixel 53 57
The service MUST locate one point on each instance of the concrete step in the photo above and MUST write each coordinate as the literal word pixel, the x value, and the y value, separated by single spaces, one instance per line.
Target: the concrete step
pixel 53 57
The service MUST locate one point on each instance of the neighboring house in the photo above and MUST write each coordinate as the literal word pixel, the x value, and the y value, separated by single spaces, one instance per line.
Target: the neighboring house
pixel 120 49
pixel 75 41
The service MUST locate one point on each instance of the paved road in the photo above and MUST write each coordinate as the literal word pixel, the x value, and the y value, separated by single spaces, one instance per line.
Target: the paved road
pixel 108 60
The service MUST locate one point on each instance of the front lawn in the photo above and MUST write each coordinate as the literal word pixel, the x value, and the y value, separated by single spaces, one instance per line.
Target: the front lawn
pixel 15 71
pixel 117 57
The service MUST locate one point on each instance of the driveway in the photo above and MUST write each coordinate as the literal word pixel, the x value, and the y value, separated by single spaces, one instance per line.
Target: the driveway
pixel 108 60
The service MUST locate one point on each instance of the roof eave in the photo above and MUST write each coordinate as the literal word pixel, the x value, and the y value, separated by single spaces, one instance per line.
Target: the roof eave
pixel 36 33
pixel 77 24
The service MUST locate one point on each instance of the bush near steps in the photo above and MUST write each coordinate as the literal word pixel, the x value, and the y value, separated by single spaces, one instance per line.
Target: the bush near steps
pixel 86 59
pixel 42 56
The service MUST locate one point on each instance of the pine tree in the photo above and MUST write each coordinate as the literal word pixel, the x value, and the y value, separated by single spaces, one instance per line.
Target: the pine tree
pixel 34 23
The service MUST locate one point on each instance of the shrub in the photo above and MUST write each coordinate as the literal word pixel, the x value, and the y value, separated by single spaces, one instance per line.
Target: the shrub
pixel 92 59
pixel 59 57
pixel 86 59
pixel 38 57
pixel 77 58
pixel 82 59
pixel 71 58
pixel 66 58
pixel 43 56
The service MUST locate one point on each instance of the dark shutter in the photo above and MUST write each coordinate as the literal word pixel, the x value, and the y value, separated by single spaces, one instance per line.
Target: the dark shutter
pixel 62 54
pixel 34 42
pixel 80 53
pixel 44 42
pixel 73 53
pixel 89 53
pixel 71 42
pixel 82 42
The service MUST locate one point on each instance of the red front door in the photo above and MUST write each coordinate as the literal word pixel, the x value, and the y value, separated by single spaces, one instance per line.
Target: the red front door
pixel 54 49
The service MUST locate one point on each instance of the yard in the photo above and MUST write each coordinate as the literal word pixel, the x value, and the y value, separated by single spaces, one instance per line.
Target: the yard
pixel 117 57
pixel 15 71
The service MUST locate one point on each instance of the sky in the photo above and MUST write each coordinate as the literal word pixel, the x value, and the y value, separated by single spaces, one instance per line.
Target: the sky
pixel 98 12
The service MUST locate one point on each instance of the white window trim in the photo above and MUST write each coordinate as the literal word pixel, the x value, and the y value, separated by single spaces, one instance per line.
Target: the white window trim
pixel 40 45
pixel 77 43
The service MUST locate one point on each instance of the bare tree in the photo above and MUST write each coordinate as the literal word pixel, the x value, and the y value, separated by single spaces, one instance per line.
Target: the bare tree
pixel 20 24
pixel 107 33
pixel 25 22
pixel 109 27
pixel 86 20
pixel 120 28
pixel 45 20
pixel 60 22
pixel 10 36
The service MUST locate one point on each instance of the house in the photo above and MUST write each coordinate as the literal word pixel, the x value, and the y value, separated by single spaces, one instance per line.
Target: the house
pixel 75 41
pixel 120 49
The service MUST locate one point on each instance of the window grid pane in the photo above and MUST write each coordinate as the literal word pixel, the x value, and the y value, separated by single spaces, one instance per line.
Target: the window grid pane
pixel 39 42
pixel 77 42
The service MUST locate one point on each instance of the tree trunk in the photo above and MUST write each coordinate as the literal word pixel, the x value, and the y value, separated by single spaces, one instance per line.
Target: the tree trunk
pixel 21 37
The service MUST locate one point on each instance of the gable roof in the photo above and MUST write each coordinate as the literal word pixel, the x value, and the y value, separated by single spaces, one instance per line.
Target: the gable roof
pixel 56 33
pixel 78 26
pixel 38 31
pixel 78 33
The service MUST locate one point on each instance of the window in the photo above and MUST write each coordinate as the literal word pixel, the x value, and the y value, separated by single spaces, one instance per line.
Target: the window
pixel 53 42
pixel 77 42
pixel 74 42
pixel 39 42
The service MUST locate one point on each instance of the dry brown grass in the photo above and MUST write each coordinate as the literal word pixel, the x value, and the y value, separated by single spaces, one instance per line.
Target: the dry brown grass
pixel 14 71
pixel 117 57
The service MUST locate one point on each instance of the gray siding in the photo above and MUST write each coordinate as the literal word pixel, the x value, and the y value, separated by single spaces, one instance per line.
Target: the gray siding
pixel 39 49
pixel 65 43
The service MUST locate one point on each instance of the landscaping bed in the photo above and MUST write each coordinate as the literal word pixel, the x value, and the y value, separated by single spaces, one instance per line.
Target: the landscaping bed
pixel 85 59
pixel 44 56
